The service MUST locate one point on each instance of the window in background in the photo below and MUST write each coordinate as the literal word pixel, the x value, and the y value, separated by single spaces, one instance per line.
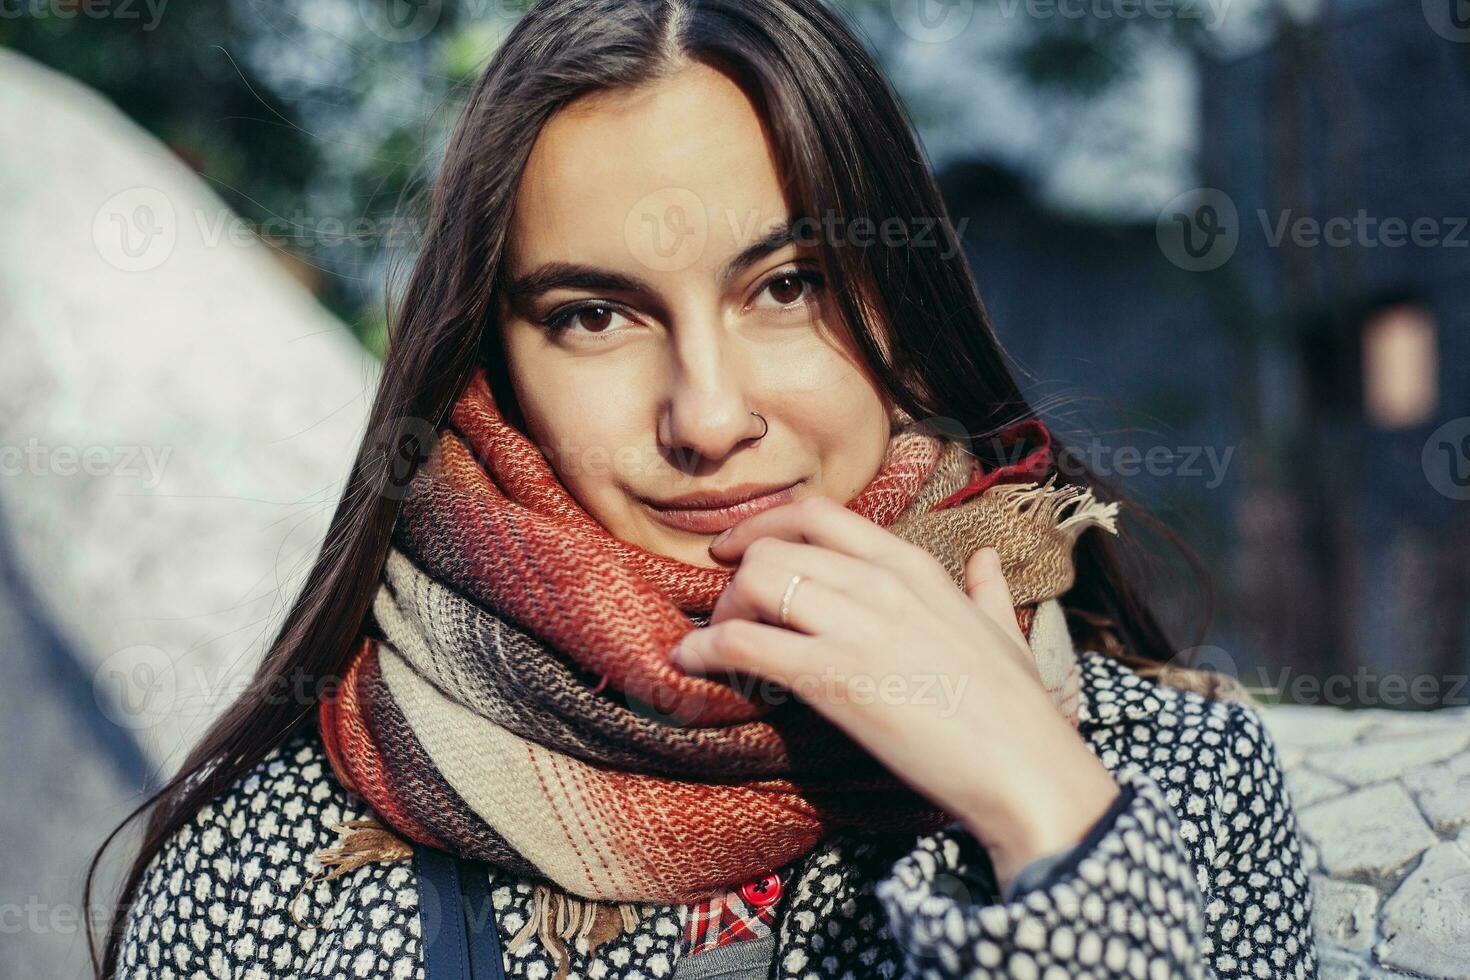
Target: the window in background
pixel 1400 366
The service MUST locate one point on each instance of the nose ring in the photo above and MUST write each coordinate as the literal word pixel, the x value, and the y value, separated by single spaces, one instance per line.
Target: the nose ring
pixel 764 423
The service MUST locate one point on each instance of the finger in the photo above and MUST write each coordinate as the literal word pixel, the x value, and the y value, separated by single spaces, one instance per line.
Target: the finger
pixel 744 647
pixel 986 586
pixel 824 522
pixel 766 571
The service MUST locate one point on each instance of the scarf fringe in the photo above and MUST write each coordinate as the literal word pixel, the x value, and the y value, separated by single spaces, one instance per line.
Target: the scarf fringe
pixel 556 917
pixel 1067 508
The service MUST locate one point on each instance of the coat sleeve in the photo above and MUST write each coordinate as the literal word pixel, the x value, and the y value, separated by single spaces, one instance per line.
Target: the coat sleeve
pixel 1217 892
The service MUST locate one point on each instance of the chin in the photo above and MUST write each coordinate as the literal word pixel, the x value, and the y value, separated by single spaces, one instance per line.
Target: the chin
pixel 690 548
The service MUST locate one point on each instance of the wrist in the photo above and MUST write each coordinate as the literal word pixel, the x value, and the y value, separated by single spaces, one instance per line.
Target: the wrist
pixel 1044 815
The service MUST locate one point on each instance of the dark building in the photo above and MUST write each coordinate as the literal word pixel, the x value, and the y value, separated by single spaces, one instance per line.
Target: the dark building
pixel 1307 319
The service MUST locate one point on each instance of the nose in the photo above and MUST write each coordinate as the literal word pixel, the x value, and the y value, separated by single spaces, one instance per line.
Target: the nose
pixel 707 411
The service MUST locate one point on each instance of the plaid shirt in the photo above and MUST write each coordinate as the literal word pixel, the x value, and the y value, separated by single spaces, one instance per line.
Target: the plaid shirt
pixel 730 917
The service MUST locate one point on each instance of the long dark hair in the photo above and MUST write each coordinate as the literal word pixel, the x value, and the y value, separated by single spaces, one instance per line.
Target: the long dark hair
pixel 847 149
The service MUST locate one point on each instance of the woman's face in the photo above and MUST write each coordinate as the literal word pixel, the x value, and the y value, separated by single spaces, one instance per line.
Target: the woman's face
pixel 650 304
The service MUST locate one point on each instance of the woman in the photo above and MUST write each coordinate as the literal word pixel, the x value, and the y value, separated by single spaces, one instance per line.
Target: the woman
pixel 686 650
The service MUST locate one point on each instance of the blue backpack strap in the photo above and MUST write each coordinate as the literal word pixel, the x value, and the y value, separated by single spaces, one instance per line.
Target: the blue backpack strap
pixel 460 934
pixel 441 915
pixel 483 931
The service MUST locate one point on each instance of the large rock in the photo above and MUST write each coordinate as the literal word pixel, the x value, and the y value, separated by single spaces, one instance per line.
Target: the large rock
pixel 176 412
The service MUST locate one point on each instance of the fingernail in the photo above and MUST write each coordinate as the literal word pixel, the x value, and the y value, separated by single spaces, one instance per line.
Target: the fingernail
pixel 721 537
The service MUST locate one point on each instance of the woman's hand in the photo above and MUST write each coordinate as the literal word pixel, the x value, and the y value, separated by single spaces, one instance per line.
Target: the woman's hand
pixel 937 684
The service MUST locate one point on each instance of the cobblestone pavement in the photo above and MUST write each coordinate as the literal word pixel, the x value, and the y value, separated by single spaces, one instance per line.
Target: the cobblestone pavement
pixel 1383 798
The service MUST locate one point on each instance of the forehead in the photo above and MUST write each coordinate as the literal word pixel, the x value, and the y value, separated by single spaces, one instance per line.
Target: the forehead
pixel 673 176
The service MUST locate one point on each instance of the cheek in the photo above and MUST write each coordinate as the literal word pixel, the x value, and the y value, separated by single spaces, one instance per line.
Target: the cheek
pixel 584 427
pixel 842 416
pixel 587 442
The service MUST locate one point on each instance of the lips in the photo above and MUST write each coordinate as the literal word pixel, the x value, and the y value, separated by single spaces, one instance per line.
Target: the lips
pixel 713 511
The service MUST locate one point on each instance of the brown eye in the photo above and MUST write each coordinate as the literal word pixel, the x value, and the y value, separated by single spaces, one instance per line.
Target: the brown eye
pixel 595 318
pixel 601 320
pixel 790 291
pixel 787 289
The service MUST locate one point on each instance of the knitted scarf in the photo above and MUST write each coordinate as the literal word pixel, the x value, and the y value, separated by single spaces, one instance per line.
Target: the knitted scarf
pixel 515 703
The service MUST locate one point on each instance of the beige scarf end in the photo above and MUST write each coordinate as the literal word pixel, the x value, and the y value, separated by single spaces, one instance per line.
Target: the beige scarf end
pixel 1068 508
pixel 359 843
pixel 558 918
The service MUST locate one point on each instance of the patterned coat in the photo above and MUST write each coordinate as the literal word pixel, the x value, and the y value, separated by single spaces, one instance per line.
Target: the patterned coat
pixel 1196 872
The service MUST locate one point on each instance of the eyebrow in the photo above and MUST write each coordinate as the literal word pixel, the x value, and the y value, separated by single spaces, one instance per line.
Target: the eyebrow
pixel 573 275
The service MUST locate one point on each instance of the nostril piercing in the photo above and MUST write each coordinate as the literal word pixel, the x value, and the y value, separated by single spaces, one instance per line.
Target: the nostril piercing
pixel 765 425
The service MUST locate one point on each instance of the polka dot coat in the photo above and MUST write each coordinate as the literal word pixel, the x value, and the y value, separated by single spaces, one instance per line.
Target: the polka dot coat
pixel 1196 872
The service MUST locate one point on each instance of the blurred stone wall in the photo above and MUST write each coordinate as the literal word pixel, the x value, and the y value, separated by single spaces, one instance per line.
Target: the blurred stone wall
pixel 176 417
pixel 176 412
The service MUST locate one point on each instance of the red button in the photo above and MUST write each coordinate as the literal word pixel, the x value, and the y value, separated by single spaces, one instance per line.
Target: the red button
pixel 762 891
